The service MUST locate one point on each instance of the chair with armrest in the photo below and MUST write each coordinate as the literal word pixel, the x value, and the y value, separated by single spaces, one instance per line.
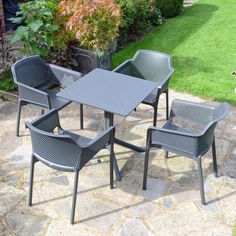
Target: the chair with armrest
pixel 38 84
pixel 150 65
pixel 65 151
pixel 192 139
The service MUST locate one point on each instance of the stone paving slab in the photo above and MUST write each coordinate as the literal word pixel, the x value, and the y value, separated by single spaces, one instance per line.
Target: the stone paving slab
pixel 169 206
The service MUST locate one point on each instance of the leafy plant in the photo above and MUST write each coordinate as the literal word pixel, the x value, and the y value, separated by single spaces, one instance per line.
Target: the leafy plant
pixel 38 32
pixel 154 13
pixel 147 15
pixel 6 82
pixel 92 23
pixel 170 8
pixel 129 13
pixel 138 16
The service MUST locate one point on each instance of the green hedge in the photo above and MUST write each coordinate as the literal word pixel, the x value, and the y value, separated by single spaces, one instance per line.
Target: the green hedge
pixel 138 16
pixel 170 8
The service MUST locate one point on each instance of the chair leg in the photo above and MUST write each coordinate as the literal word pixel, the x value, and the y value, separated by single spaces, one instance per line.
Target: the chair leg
pixel 166 154
pixel 199 163
pixel 214 159
pixel 155 107
pixel 111 168
pixel 74 198
pixel 167 104
pixel 146 168
pixel 31 180
pixel 81 117
pixel 18 118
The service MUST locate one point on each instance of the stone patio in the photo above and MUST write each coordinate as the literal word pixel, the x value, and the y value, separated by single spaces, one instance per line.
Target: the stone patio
pixel 169 206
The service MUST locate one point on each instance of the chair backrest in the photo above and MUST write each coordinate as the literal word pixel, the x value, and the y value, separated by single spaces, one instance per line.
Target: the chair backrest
pixel 47 122
pixel 63 76
pixel 206 140
pixel 203 114
pixel 153 65
pixel 32 71
pixel 221 112
pixel 55 150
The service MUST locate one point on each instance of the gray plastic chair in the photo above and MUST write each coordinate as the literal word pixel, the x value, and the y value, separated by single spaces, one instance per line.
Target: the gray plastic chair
pixel 150 65
pixel 65 151
pixel 38 84
pixel 189 132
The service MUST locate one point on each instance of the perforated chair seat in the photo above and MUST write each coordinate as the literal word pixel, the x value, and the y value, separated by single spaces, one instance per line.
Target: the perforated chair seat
pixel 80 140
pixel 171 126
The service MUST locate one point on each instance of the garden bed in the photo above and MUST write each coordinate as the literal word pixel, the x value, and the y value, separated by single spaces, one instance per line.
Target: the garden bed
pixel 8 90
pixel 9 96
pixel 6 82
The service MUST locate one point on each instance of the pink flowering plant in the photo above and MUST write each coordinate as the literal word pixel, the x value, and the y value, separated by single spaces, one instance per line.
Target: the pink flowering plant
pixel 154 13
pixel 138 17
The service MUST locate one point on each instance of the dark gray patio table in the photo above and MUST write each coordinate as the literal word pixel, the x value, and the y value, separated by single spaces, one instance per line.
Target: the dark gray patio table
pixel 112 92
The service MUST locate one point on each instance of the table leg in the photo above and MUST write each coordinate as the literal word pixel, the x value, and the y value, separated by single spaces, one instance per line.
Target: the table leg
pixel 109 117
pixel 129 145
pixel 109 122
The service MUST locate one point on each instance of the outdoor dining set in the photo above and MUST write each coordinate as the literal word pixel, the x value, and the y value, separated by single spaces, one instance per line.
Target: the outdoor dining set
pixel 188 131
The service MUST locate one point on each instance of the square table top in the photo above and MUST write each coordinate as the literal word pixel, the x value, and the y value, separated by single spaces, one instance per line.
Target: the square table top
pixel 112 92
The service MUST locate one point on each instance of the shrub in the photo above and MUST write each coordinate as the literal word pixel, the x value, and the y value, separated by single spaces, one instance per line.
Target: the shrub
pixel 170 8
pixel 38 33
pixel 154 13
pixel 138 16
pixel 92 23
pixel 147 15
pixel 142 18
pixel 129 13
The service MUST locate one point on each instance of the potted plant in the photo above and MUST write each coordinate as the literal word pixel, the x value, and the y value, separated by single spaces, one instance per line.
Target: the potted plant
pixel 91 27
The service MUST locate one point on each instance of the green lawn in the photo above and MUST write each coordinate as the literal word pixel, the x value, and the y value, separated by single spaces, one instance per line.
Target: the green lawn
pixel 202 42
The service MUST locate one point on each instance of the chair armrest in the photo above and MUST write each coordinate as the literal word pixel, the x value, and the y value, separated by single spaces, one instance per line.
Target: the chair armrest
pixel 63 75
pixel 102 139
pixel 128 68
pixel 163 86
pixel 120 67
pixel 195 112
pixel 89 150
pixel 174 132
pixel 33 95
pixel 171 140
